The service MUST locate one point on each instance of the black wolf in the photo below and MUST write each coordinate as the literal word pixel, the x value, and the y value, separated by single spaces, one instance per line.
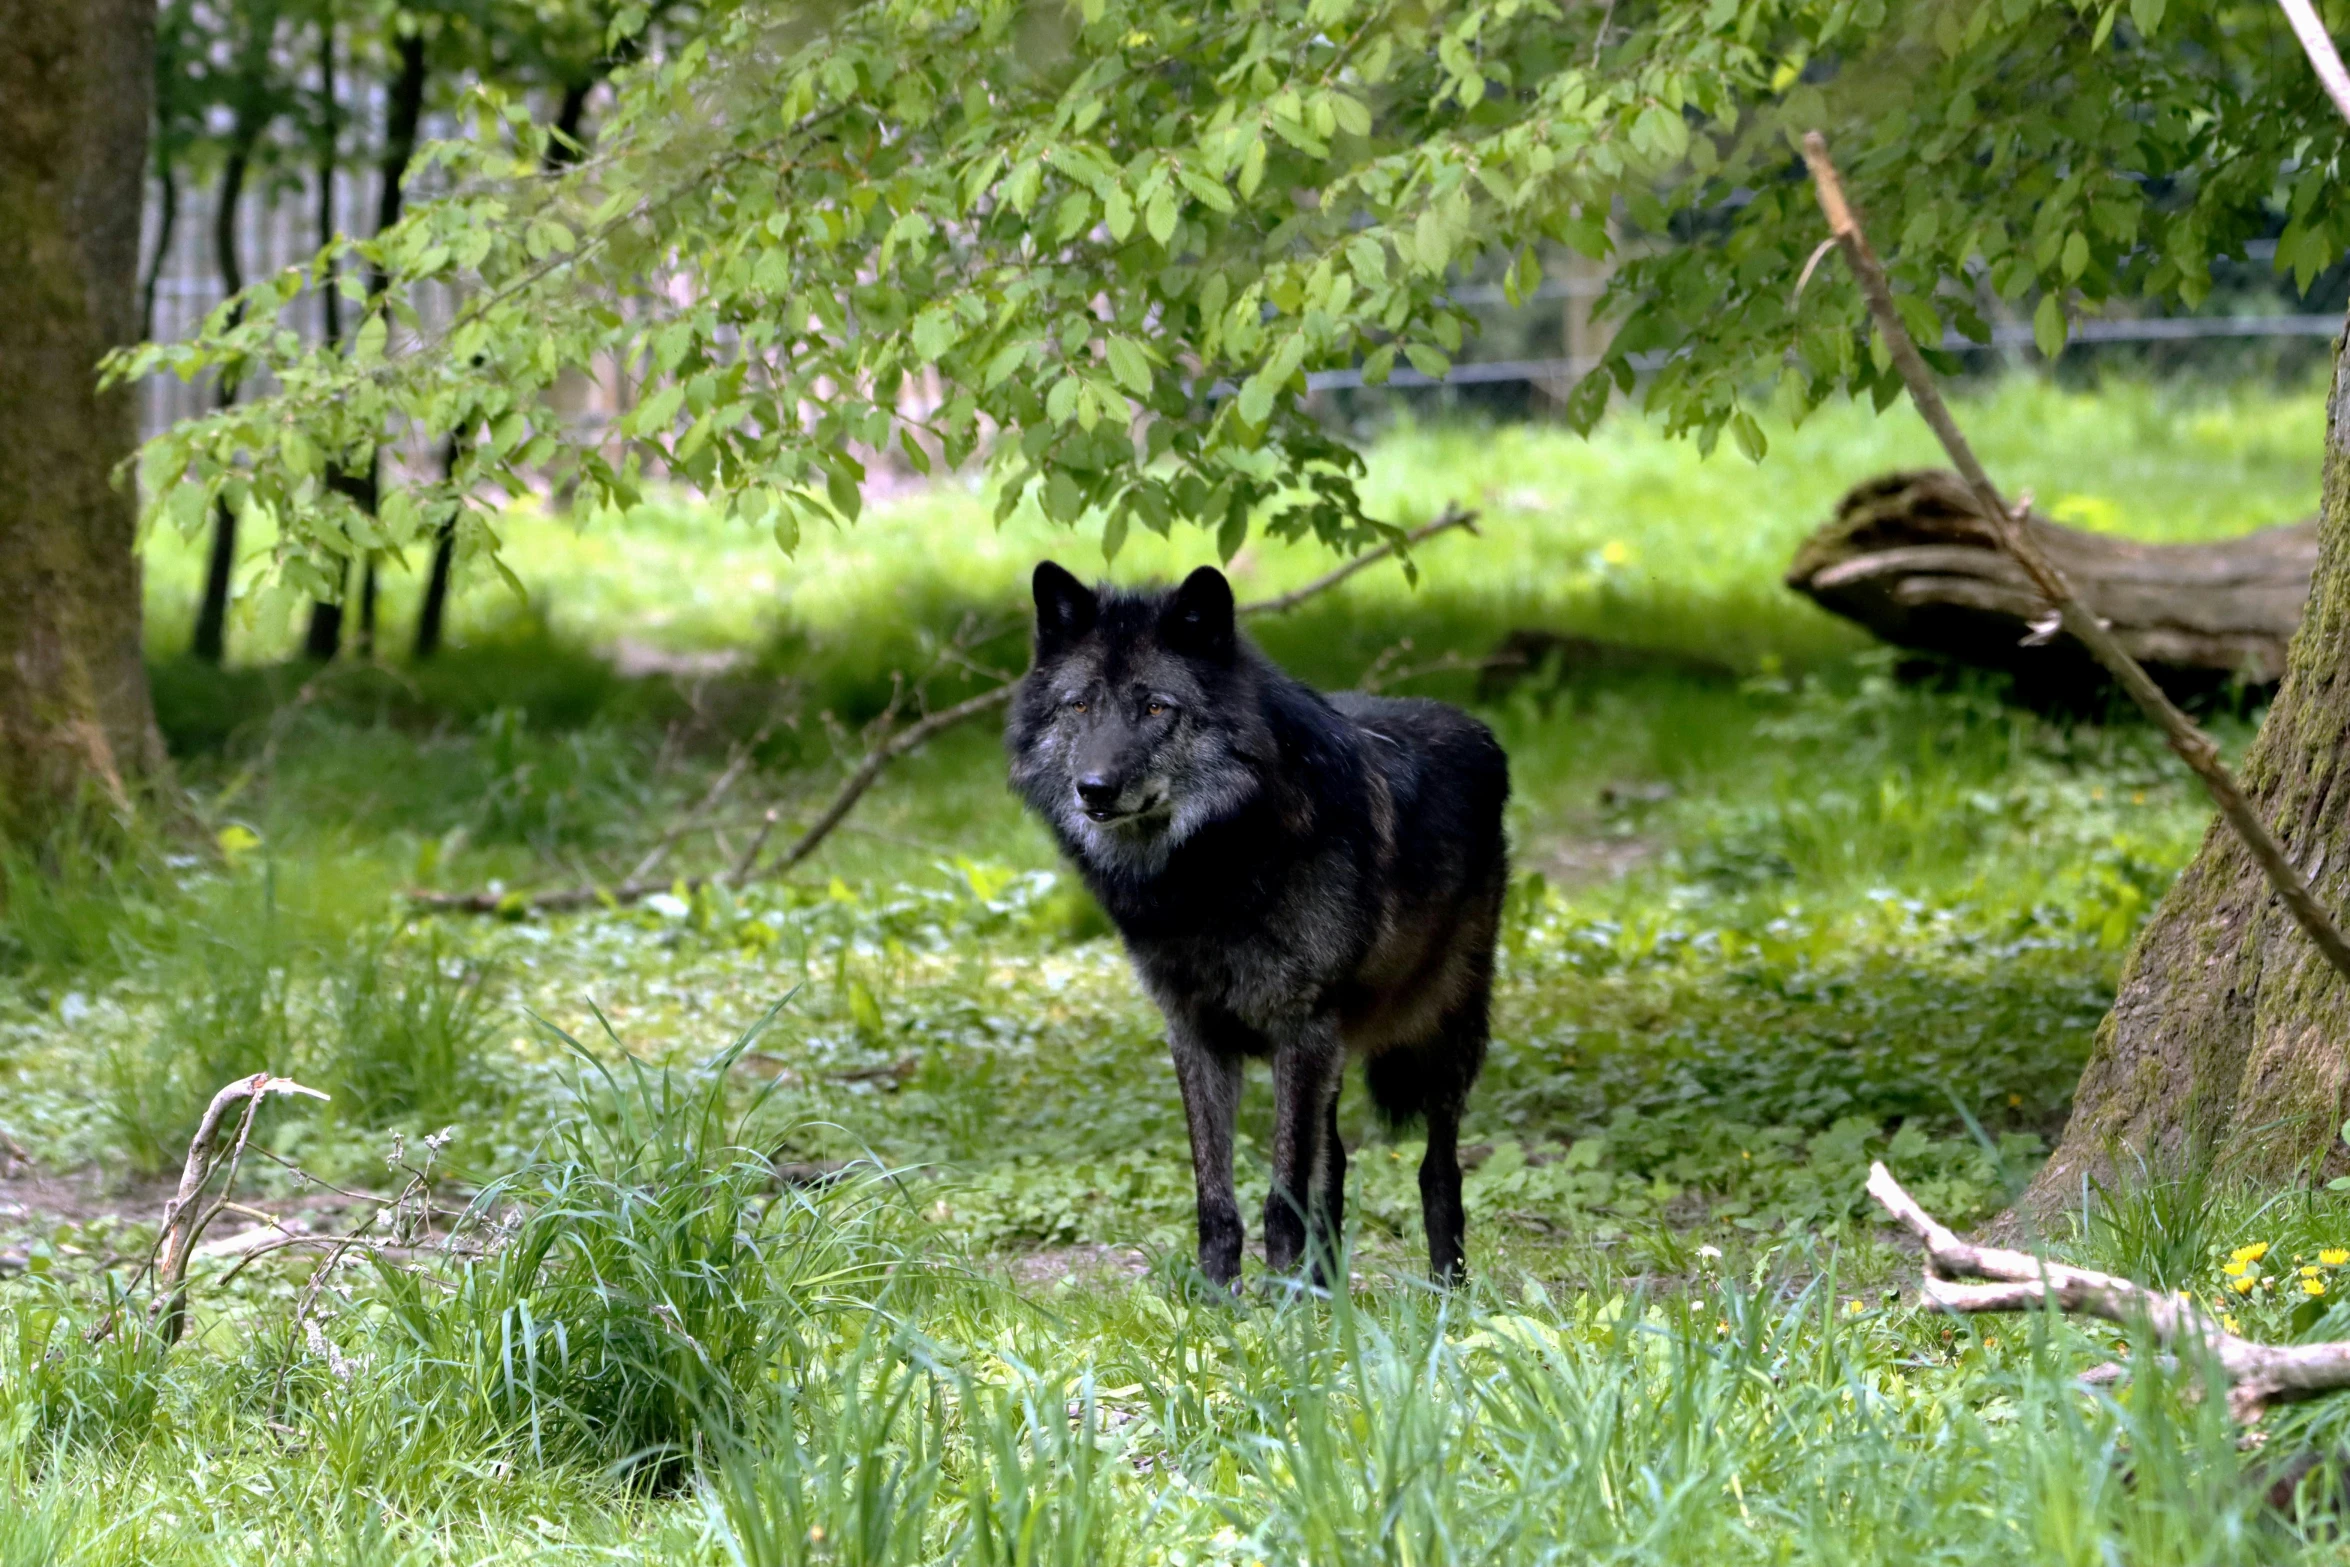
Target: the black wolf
pixel 1295 875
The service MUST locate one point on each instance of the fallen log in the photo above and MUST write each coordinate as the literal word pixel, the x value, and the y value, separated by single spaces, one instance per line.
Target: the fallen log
pixel 1909 557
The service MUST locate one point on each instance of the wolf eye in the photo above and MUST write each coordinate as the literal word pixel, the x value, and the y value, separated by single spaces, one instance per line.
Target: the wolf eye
pixel 1155 709
pixel 1077 705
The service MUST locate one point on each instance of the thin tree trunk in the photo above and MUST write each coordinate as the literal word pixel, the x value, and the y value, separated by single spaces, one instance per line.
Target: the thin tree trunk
pixel 167 219
pixel 432 614
pixel 329 145
pixel 2226 1040
pixel 211 639
pixel 76 89
pixel 403 115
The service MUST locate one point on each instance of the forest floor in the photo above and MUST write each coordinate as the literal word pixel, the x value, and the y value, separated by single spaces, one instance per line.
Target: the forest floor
pixel 1782 907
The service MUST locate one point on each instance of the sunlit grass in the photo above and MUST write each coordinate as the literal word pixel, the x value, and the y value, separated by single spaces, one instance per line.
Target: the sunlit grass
pixel 1773 919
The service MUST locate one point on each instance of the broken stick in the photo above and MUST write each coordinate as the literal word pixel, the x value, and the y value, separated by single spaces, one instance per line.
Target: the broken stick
pixel 2258 1374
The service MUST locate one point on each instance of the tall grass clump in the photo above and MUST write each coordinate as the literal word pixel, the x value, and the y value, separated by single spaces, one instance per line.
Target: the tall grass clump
pixel 406 1024
pixel 227 1013
pixel 86 898
pixel 642 1289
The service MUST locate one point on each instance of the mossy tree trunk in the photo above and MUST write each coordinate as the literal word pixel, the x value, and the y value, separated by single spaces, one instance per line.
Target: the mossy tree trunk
pixel 2230 1038
pixel 76 85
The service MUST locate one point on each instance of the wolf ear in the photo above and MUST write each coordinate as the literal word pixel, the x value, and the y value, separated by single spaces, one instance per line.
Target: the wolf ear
pixel 1065 607
pixel 1198 620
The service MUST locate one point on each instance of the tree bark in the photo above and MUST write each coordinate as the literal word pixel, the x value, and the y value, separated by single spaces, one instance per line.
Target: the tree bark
pixel 2227 1041
pixel 1909 557
pixel 76 85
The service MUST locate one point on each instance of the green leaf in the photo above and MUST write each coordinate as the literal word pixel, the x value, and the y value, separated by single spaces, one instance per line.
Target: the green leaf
pixel 1749 436
pixel 1233 534
pixel 1428 361
pixel 1130 366
pixel 1000 368
pixel 1210 192
pixel 1256 401
pixel 2147 14
pixel 842 489
pixel 1118 212
pixel 1252 166
pixel 1060 404
pixel 655 413
pixel 1160 218
pixel 2048 326
pixel 2076 255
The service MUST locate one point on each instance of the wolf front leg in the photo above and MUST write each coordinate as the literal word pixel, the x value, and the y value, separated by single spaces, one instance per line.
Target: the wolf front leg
pixel 1211 1100
pixel 1306 1070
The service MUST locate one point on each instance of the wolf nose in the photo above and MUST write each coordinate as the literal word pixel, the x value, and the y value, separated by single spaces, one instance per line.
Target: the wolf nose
pixel 1096 792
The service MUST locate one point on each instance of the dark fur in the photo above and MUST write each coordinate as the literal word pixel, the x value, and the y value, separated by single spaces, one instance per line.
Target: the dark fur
pixel 1297 876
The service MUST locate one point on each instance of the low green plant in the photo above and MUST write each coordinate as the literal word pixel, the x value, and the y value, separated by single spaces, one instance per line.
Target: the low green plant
pixel 404 1029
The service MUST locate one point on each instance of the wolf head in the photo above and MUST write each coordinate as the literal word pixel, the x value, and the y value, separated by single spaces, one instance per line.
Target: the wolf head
pixel 1133 728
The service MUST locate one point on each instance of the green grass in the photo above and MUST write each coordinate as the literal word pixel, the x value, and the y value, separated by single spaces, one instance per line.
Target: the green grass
pixel 1778 912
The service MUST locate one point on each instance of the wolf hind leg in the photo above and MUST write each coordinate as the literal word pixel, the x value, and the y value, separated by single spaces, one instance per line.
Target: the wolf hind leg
pixel 1431 1083
pixel 1211 1102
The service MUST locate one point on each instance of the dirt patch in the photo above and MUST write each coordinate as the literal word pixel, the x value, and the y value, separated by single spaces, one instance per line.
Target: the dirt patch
pixel 1094 1264
pixel 32 1197
pixel 1584 861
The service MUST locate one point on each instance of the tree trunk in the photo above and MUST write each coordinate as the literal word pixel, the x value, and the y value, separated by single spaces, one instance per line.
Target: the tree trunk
pixel 2228 1039
pixel 403 114
pixel 76 85
pixel 210 642
pixel 1908 557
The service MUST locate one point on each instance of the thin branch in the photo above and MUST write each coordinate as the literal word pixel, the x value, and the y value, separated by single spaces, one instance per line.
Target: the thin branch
pixel 869 771
pixel 2258 1374
pixel 2192 745
pixel 2323 58
pixel 183 1225
pixel 1281 603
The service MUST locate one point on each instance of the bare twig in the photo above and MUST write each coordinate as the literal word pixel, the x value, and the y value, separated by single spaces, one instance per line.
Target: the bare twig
pixel 2192 745
pixel 735 767
pixel 1281 603
pixel 2323 58
pixel 876 761
pixel 183 1219
pixel 2258 1374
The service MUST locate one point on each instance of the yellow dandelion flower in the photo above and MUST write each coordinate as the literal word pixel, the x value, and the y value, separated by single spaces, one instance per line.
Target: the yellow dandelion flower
pixel 2313 1286
pixel 2234 1270
pixel 2251 1253
pixel 2334 1256
pixel 2228 1321
pixel 1853 1308
pixel 2309 1272
pixel 2242 1286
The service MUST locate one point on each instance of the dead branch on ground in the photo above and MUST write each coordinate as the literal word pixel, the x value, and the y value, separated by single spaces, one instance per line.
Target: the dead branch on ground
pixel 875 763
pixel 185 1217
pixel 2191 744
pixel 2258 1374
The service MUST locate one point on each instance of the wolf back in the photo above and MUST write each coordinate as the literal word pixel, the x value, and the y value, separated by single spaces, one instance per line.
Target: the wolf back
pixel 1296 876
